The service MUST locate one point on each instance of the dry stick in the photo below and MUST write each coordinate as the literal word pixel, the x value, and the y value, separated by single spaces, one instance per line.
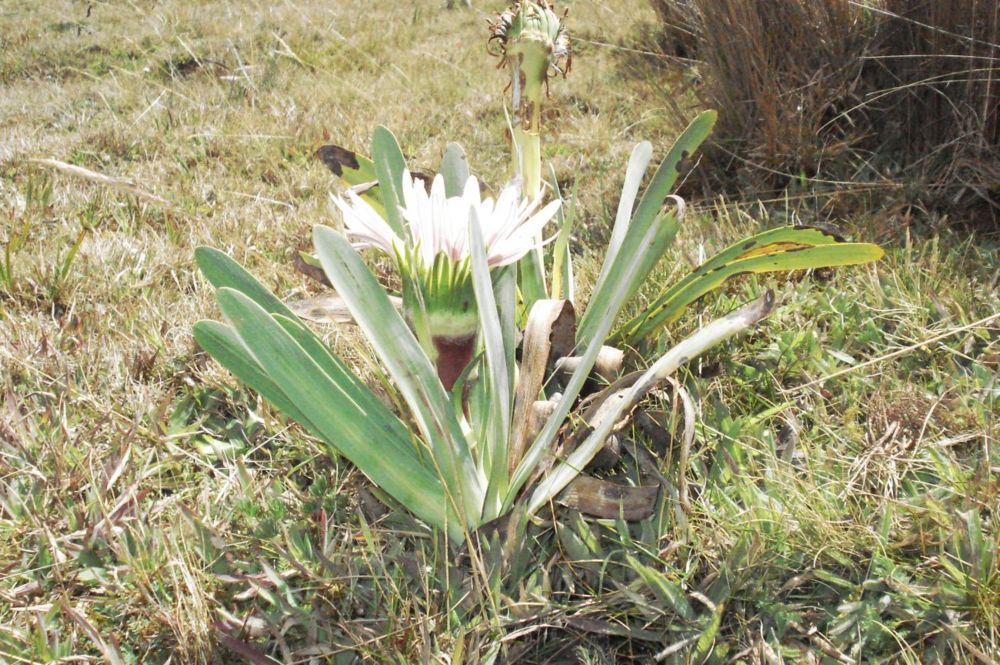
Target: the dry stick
pixel 676 647
pixel 898 352
pixel 101 179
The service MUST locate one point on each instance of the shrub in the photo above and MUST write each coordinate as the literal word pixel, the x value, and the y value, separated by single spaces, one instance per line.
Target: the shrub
pixel 902 93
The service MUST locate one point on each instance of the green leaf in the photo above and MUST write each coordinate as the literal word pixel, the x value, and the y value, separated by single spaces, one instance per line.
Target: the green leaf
pixel 223 344
pixel 666 226
pixel 634 244
pixel 667 592
pixel 669 170
pixel 637 164
pixel 495 453
pixel 333 366
pixel 354 170
pixel 454 170
pixel 505 293
pixel 389 167
pixel 703 647
pixel 223 272
pixel 376 441
pixel 531 274
pixel 409 367
pixel 783 249
pixel 562 258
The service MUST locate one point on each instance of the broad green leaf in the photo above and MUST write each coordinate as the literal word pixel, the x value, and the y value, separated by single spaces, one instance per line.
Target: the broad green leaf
pixel 505 292
pixel 788 248
pixel 408 366
pixel 389 167
pixel 666 226
pixel 669 170
pixel 454 170
pixel 634 247
pixel 223 344
pixel 637 164
pixel 223 272
pixel 495 452
pixel 333 366
pixel 375 441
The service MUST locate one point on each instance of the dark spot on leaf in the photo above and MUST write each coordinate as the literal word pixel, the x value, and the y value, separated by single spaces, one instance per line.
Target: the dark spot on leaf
pixel 826 229
pixel 749 244
pixel 336 158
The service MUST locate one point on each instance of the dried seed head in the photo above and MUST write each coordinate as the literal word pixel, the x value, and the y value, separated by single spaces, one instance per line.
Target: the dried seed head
pixel 528 30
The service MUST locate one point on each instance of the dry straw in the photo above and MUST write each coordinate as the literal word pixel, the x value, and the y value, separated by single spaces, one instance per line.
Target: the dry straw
pixel 904 93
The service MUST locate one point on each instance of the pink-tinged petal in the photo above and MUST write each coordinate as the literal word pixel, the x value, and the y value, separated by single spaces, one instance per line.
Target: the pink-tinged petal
pixel 437 187
pixel 439 224
pixel 509 251
pixel 363 223
pixel 530 228
pixel 471 191
pixel 506 215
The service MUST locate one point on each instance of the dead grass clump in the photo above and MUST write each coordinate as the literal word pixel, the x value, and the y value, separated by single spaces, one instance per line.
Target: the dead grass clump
pixel 679 19
pixel 934 92
pixel 902 95
pixel 784 75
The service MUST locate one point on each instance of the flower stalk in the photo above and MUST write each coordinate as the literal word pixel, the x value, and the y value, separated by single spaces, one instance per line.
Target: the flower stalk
pixel 531 40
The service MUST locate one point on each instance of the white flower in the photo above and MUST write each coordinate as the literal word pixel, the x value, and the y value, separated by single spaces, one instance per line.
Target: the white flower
pixel 440 224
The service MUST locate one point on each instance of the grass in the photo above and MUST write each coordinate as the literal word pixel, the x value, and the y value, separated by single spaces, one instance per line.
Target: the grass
pixel 895 99
pixel 153 511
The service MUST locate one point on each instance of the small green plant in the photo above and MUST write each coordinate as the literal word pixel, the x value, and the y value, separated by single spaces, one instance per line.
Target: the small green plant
pixel 63 264
pixel 483 434
pixel 15 241
pixel 37 197
pixel 464 457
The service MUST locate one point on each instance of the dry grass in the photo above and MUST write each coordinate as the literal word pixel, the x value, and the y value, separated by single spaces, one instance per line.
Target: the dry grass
pixel 152 512
pixel 900 95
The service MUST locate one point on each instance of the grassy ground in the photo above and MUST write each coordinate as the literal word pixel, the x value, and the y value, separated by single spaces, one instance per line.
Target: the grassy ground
pixel 153 511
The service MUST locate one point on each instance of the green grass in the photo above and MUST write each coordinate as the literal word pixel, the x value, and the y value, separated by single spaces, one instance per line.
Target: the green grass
pixel 152 510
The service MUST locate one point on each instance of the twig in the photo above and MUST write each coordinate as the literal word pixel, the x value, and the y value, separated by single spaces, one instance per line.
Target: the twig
pixel 101 179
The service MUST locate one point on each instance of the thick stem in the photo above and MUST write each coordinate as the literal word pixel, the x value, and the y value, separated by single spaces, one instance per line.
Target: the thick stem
pixel 530 141
pixel 528 75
